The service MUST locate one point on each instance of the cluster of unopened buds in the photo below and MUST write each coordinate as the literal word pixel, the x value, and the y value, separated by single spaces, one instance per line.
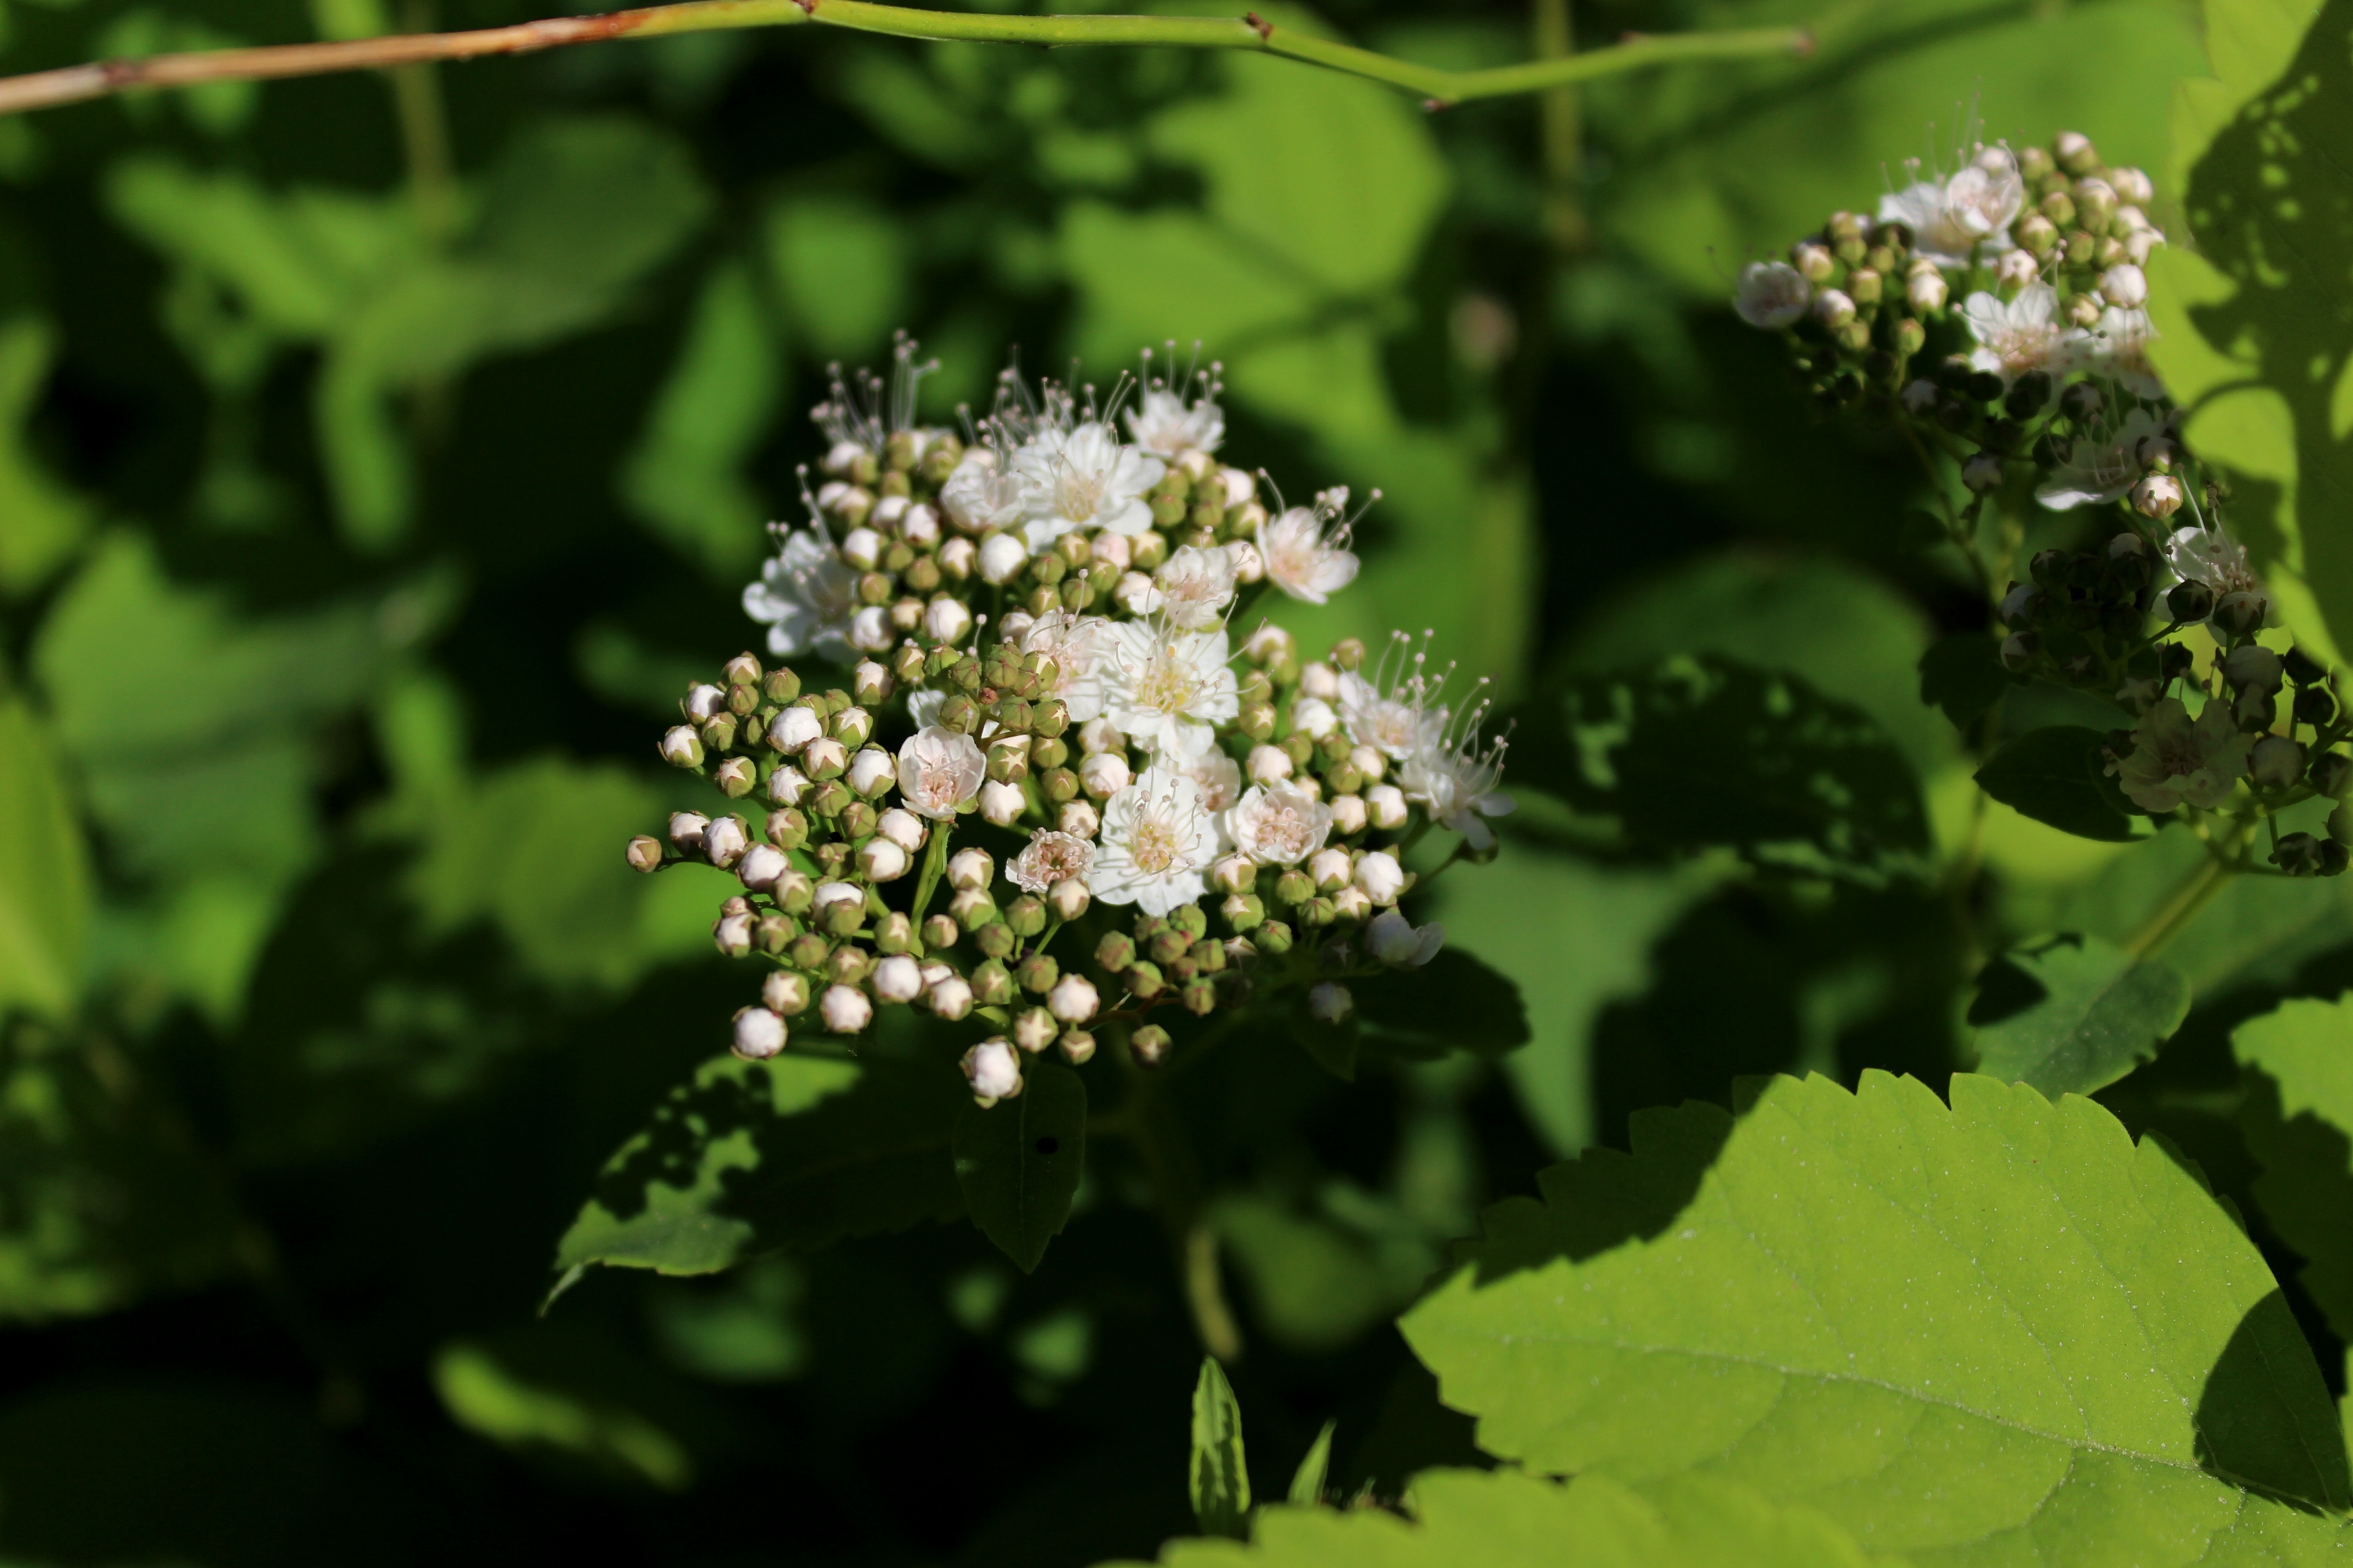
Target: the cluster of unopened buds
pixel 1032 623
pixel 2023 298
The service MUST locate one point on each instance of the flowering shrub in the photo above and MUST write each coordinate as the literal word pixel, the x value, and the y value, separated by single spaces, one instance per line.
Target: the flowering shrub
pixel 1040 612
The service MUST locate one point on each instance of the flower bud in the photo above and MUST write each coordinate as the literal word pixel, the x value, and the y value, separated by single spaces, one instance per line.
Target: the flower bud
pixel 1833 308
pixel 1034 1029
pixel 1104 774
pixel 1008 759
pixel 2254 712
pixel 845 1009
pixel 1002 557
pixel 2189 603
pixel 2020 650
pixel 1244 911
pixel 1079 819
pixel 972 909
pixel 1814 262
pixel 2316 706
pixel 2157 496
pixel 681 747
pixel 1073 999
pixel 883 862
pixel 761 866
pixel 2253 668
pixel 1148 1046
pixel 1234 874
pixel 946 620
pixel 1078 1046
pixel 1981 472
pixel 993 1071
pixel 1330 1001
pixel 2242 613
pixel 825 758
pixel 1392 939
pixel 1352 903
pixel 1330 870
pixel 897 978
pixel 725 841
pixel 1068 898
pixel 970 869
pixel 1380 876
pixel 794 728
pixel 645 853
pixel 1385 805
pixel 1268 765
pixel 733 934
pixel 1001 803
pixel 2276 762
pixel 759 1033
pixel 2330 771
pixel 686 830
pixel 872 773
pixel 2016 269
pixel 2298 855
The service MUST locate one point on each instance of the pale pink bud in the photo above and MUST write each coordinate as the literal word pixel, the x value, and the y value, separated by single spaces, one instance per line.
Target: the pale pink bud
pixel 1104 774
pixel 902 828
pixel 1381 877
pixel 1330 1001
pixel 872 772
pixel 1001 803
pixel 1002 555
pixel 1100 735
pixel 845 1009
pixel 1319 681
pixel 825 758
pixel 645 854
pixel 1347 813
pixel 862 548
pixel 702 701
pixel 733 935
pixel 761 868
pixel 686 830
pixel 970 869
pixel 1034 1029
pixel 725 841
pixel 898 978
pixel 1115 549
pixel 1073 999
pixel 681 747
pixel 783 993
pixel 1330 870
pixel 958 557
pixel 786 786
pixel 946 620
pixel 950 998
pixel 1268 765
pixel 1069 898
pixel 759 1033
pixel 1079 819
pixel 882 860
pixel 993 1071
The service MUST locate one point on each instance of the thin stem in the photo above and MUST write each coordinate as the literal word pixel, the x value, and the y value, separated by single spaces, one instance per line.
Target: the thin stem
pixel 74 84
pixel 1561 129
pixel 2181 906
pixel 1168 1156
pixel 936 860
pixel 424 137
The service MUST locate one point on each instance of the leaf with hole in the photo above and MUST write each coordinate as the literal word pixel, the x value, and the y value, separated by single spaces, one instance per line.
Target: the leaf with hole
pixel 1019 1162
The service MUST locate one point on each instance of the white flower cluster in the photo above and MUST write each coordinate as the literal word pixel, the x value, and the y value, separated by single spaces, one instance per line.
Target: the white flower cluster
pixel 1041 609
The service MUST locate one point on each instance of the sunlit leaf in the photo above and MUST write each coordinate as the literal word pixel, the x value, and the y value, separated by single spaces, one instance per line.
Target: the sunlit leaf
pixel 1839 1296
pixel 1219 1477
pixel 2298 1120
pixel 685 478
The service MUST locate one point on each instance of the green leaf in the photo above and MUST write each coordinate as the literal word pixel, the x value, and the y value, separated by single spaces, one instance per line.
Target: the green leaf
pixel 1307 1481
pixel 1503 1520
pixel 2069 1015
pixel 41 522
pixel 2298 1121
pixel 1961 1333
pixel 2256 328
pixel 685 478
pixel 1218 1480
pixel 840 265
pixel 1019 1162
pixel 1962 674
pixel 1453 1003
pixel 1704 750
pixel 44 892
pixel 793 1154
pixel 2053 776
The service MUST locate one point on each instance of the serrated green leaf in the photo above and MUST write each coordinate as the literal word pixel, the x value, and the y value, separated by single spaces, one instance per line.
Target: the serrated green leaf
pixel 1705 750
pixel 1962 674
pixel 1307 1480
pixel 2069 1015
pixel 44 892
pixel 789 1155
pixel 1019 1162
pixel 2053 775
pixel 1971 1332
pixel 2298 1121
pixel 1502 1520
pixel 1217 1479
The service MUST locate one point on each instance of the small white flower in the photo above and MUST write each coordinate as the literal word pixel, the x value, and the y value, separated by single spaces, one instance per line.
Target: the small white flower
pixel 1196 585
pixel 1279 825
pixel 946 620
pixel 1076 643
pixel 1050 858
pixel 1394 939
pixel 1950 218
pixel 2176 761
pixel 1330 1001
pixel 1001 803
pixel 2119 348
pixel 1306 549
pixel 1167 688
pixel 2023 334
pixel 902 828
pixel 1216 775
pixel 1087 479
pixel 1249 564
pixel 1369 762
pixel 1387 710
pixel 959 557
pixel 1927 292
pixel 939 770
pixel 992 1071
pixel 898 978
pixel 1002 557
pixel 1114 550
pixel 845 1009
pixel 725 841
pixel 2016 269
pixel 1164 425
pixel 807 595
pixel 872 772
pixel 1079 819
pixel 1381 877
pixel 1319 681
pixel 920 526
pixel 1455 778
pixel 2098 471
pixel 2204 555
pixel 759 1033
pixel 1157 844
pixel 762 867
pixel 1352 903
pixel 826 758
pixel 1772 295
pixel 980 496
pixel 1136 593
pixel 1073 999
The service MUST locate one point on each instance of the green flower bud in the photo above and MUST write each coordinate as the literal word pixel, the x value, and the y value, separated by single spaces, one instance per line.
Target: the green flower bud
pixel 1201 998
pixel 1244 911
pixel 645 854
pixel 1209 955
pixel 1292 888
pixel 1168 945
pixel 1149 1045
pixel 1274 937
pixel 742 699
pixel 809 952
pixel 848 964
pixel 973 908
pixel 1115 952
pixel 894 934
pixel 1038 973
pixel 1026 915
pixel 1144 980
pixel 841 919
pixel 856 819
pixel 991 986
pixel 781 685
pixel 735 777
pixel 996 939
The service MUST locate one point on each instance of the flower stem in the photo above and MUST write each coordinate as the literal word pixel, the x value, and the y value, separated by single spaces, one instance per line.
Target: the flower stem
pixel 2181 906
pixel 1159 1139
pixel 73 84
pixel 936 860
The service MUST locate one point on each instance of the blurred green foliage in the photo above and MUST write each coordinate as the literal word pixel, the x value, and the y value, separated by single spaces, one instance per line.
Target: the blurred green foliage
pixel 361 515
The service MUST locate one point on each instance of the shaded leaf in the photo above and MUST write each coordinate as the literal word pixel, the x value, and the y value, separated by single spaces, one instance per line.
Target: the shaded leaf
pixel 1840 1296
pixel 1019 1162
pixel 1219 1477
pixel 41 522
pixel 44 873
pixel 1704 750
pixel 1453 1003
pixel 2298 1121
pixel 2053 776
pixel 1962 674
pixel 2069 1015
pixel 1307 1481
pixel 790 1154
